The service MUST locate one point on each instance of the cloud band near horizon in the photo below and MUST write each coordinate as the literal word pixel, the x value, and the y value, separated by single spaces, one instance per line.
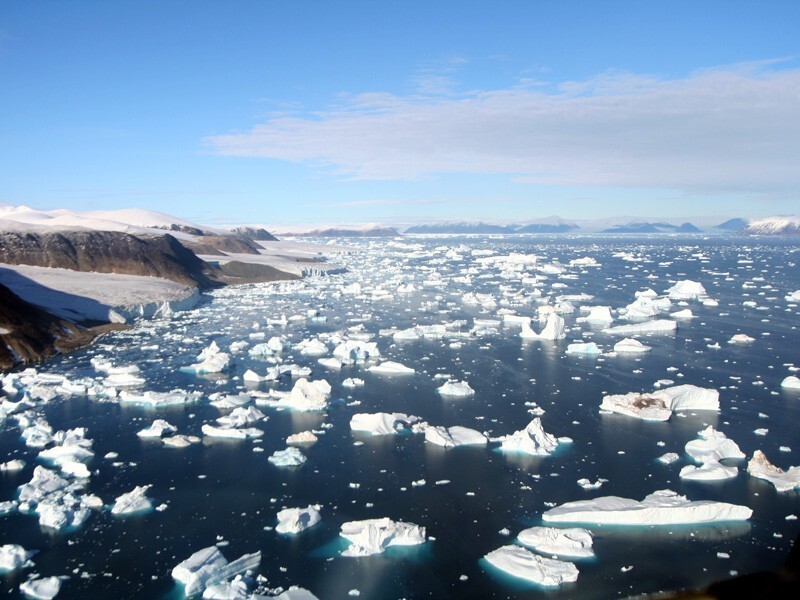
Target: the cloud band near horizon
pixel 732 129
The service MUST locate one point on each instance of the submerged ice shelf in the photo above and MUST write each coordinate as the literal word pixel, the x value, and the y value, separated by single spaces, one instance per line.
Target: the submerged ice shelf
pixel 429 384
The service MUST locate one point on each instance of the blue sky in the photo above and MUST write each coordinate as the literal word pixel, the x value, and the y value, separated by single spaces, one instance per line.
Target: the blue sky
pixel 292 112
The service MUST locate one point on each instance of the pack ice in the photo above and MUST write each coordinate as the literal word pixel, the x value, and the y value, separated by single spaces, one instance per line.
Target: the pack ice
pixel 373 536
pixel 663 507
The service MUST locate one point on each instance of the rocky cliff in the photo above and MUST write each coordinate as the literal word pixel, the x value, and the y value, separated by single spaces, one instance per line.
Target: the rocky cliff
pixel 255 233
pixel 108 252
pixel 29 334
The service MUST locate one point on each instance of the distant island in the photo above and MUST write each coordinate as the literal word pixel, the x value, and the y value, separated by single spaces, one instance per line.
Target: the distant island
pixel 348 232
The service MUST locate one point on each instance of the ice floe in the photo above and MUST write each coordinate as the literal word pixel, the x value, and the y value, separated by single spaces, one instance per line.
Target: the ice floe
pixel 554 329
pixel 656 326
pixel 210 360
pixel 158 429
pixel 792 382
pixel 390 368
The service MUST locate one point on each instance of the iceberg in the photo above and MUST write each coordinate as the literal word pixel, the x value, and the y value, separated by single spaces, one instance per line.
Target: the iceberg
pixel 160 399
pixel 792 382
pixel 456 389
pixel 382 423
pixel 656 326
pixel 630 346
pixel 531 440
pixel 522 563
pixel 157 429
pixel 211 360
pixel 242 416
pixel 741 338
pixel 793 297
pixel 583 348
pixel 390 368
pixel 291 457
pixel 353 382
pixel 784 481
pixel 710 470
pixel 208 566
pixel 13 557
pixel 231 433
pixel 450 437
pixel 44 588
pixel 180 441
pixel 295 520
pixel 306 396
pixel 573 542
pixel 599 315
pixel 659 405
pixel 712 445
pixel 304 437
pixel 134 501
pixel 687 290
pixel 373 536
pixel 354 352
pixel 554 329
pixel 663 507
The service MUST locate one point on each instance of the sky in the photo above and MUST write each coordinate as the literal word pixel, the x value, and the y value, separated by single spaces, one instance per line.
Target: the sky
pixel 294 113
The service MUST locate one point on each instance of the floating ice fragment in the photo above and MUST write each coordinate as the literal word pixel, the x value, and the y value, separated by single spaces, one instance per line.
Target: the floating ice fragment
pixel 555 329
pixel 44 588
pixel 180 441
pixel 663 507
pixel 629 345
pixel 659 405
pixel 157 429
pixel 522 563
pixel 295 520
pixel 13 556
pixel 792 382
pixel 304 437
pixel 390 368
pixel 687 290
pixel 159 399
pixel 242 416
pixel 668 458
pixel 231 433
pixel 531 440
pixel 382 423
pixel 456 389
pixel 573 542
pixel 656 326
pixel 134 501
pixel 682 314
pixel 291 457
pixel 211 360
pixel 373 536
pixel 710 470
pixel 712 445
pixel 353 382
pixel 589 485
pixel 741 338
pixel 451 437
pixel 783 481
pixel 583 348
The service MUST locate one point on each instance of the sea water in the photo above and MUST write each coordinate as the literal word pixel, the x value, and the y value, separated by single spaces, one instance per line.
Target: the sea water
pixel 474 499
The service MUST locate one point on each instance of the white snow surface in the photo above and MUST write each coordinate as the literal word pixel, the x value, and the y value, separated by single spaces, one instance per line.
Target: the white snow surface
pixel 522 563
pixel 373 536
pixel 663 507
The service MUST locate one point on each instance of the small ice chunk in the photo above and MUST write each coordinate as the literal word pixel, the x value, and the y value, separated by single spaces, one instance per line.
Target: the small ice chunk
pixel 687 290
pixel 180 441
pixel 522 563
pixel 373 536
pixel 741 338
pixel 573 542
pixel 12 465
pixel 783 481
pixel 668 458
pixel 211 360
pixel 663 507
pixel 295 520
pixel 682 314
pixel 589 485
pixel 291 457
pixel 353 382
pixel 231 433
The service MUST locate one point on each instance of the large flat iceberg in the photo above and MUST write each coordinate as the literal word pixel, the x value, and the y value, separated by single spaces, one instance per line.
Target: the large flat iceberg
pixel 659 405
pixel 663 507
pixel 573 541
pixel 522 563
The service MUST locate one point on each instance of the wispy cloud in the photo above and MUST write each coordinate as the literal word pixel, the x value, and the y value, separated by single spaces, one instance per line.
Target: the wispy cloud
pixel 728 128
pixel 416 202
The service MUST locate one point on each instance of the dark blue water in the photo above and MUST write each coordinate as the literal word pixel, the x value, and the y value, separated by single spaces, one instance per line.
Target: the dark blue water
pixel 222 490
